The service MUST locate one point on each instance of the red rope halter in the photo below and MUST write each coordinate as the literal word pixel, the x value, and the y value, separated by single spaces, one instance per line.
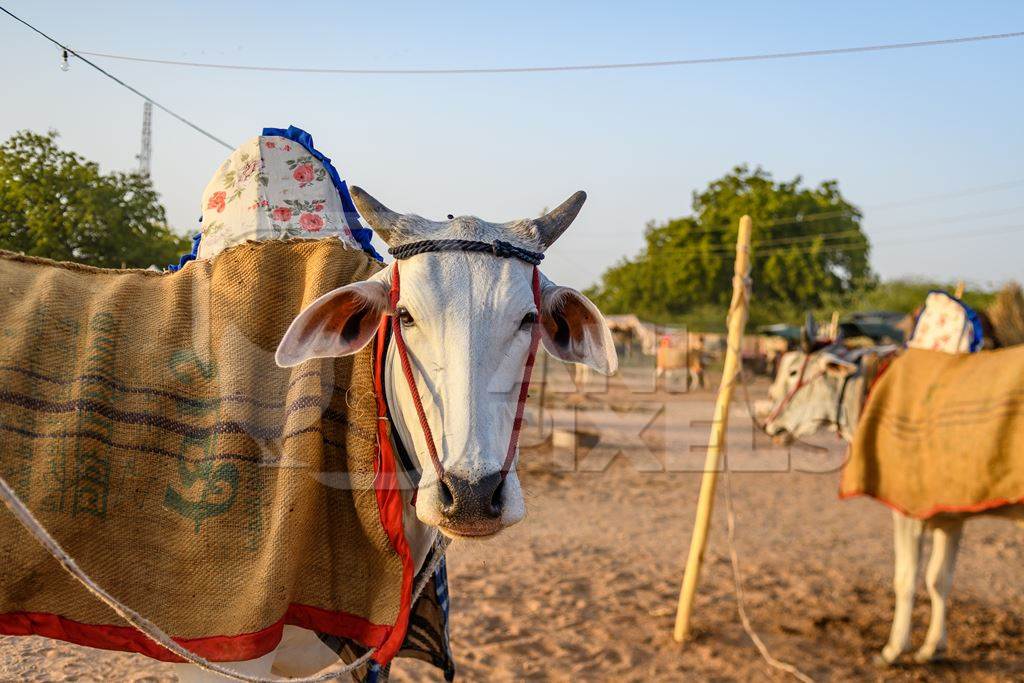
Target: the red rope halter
pixel 800 384
pixel 403 354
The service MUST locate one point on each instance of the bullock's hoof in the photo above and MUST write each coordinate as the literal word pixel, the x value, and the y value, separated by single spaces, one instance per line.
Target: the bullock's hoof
pixel 882 661
pixel 930 656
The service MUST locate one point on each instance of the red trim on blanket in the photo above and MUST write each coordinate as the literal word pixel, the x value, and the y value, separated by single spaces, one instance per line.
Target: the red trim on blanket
pixel 937 509
pixel 215 648
pixel 389 501
pixel 245 646
pixel 883 365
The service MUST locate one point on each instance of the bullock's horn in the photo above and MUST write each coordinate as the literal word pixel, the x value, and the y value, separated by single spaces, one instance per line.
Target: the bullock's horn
pixel 551 225
pixel 383 220
pixel 809 334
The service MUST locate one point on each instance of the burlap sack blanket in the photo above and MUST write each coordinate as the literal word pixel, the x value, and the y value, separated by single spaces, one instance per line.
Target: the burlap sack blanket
pixel 143 420
pixel 942 433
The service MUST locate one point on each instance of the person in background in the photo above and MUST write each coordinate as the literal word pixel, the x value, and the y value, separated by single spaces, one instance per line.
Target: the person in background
pixel 696 373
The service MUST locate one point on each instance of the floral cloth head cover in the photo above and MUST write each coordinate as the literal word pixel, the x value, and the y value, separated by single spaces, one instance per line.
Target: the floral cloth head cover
pixel 277 186
pixel 946 324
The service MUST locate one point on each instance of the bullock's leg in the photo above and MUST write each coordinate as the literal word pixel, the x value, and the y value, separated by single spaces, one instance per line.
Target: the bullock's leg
pixel 907 547
pixel 260 668
pixel 939 579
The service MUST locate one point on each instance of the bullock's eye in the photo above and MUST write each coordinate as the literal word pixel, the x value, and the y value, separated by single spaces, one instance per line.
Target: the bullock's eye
pixel 404 316
pixel 528 320
pixel 793 373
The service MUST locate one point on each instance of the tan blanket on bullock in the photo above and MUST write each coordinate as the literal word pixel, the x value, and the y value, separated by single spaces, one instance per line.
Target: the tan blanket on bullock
pixel 143 420
pixel 941 433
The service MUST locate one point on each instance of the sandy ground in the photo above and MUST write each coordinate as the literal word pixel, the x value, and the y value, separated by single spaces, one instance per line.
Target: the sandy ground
pixel 585 588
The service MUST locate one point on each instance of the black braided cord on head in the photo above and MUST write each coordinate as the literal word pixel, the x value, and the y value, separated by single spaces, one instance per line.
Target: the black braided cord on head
pixel 498 248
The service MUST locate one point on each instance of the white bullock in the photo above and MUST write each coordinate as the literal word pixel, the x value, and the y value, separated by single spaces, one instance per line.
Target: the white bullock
pixel 826 390
pixel 467 319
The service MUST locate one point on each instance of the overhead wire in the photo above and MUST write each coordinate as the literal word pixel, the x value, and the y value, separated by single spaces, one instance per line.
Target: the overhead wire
pixel 797 240
pixel 1000 230
pixel 855 245
pixel 798 219
pixel 68 51
pixel 967 192
pixel 858 212
pixel 442 71
pixel 81 55
pixel 897 228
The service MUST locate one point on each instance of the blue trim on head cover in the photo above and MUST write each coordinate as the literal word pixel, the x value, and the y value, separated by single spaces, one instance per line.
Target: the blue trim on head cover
pixel 191 256
pixel 362 235
pixel 975 320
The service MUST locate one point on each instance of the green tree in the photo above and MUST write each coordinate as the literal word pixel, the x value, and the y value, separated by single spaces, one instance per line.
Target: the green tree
pixel 808 246
pixel 58 205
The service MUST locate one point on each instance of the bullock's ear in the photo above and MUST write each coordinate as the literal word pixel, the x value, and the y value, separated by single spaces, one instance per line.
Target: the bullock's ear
pixel 574 330
pixel 337 324
pixel 838 367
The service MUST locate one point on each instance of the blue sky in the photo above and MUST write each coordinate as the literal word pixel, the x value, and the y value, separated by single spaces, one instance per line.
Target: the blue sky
pixel 891 126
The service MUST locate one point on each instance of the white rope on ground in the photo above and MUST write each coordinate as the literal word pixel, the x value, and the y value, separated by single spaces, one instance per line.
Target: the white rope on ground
pixel 154 632
pixel 739 303
pixel 737 580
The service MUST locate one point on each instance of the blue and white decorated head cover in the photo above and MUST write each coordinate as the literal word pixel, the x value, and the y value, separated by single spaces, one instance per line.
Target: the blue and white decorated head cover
pixel 275 186
pixel 946 324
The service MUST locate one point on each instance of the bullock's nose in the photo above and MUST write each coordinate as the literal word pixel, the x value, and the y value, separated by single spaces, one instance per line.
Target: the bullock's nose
pixel 468 500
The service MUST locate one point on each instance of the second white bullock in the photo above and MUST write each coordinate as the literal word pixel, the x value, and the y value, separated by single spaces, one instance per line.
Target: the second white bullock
pixel 827 390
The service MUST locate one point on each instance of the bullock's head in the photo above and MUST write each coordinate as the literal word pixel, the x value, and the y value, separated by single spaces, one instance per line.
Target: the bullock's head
pixel 467 321
pixel 805 394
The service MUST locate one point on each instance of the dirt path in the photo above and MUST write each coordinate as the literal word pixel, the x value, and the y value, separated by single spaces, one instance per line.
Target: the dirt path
pixel 585 587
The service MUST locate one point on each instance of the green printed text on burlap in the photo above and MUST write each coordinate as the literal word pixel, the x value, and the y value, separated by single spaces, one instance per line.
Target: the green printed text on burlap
pixel 143 420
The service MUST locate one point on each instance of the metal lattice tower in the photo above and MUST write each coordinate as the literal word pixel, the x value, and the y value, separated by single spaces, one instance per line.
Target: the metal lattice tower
pixel 146 152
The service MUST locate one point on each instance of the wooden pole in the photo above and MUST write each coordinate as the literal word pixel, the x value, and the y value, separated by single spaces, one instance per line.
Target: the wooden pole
pixel 737 320
pixel 959 290
pixel 833 326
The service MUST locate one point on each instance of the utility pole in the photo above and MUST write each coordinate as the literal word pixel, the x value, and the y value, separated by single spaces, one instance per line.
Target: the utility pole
pixel 146 152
